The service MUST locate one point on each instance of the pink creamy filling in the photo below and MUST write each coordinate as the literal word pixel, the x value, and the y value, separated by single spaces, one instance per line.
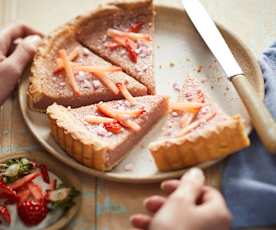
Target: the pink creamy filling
pixel 99 129
pixel 193 93
pixel 143 50
pixel 86 81
pixel 120 143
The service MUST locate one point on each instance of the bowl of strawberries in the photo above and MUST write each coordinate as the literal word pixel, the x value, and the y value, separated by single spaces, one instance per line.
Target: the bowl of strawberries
pixel 36 193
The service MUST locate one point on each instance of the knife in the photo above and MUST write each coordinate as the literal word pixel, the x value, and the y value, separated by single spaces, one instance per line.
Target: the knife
pixel 260 117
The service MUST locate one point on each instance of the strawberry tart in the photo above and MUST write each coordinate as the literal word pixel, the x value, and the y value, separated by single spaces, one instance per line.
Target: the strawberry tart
pixel 94 76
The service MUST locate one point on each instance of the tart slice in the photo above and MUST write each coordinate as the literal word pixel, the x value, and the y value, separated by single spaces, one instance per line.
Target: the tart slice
pixel 83 79
pixel 197 131
pixel 122 32
pixel 100 135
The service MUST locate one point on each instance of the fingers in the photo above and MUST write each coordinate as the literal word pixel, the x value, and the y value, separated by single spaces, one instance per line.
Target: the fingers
pixel 24 53
pixel 9 34
pixel 2 57
pixel 154 203
pixel 214 210
pixel 190 188
pixel 170 186
pixel 140 221
pixel 213 199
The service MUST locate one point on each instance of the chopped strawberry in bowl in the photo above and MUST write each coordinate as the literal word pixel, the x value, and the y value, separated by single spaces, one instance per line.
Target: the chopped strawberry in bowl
pixel 32 196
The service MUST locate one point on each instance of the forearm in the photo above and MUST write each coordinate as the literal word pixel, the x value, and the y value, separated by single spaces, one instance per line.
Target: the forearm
pixel 7 85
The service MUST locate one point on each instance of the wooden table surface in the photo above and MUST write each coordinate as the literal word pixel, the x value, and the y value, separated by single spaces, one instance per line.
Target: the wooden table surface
pixel 107 205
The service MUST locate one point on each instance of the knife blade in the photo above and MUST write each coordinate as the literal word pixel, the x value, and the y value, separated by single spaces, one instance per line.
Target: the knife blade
pixel 261 119
pixel 212 37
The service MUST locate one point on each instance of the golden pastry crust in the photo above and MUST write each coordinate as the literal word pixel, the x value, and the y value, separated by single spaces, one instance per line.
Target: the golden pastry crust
pixel 73 139
pixel 224 139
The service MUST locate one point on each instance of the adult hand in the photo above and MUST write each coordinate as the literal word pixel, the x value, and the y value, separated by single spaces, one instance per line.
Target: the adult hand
pixel 190 206
pixel 18 44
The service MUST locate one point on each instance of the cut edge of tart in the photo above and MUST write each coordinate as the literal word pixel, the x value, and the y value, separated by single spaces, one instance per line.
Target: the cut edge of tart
pixel 181 152
pixel 206 135
pixel 80 134
pixel 61 46
pixel 110 43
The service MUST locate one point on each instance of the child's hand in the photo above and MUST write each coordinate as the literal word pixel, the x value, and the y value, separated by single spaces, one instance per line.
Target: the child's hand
pixel 190 206
pixel 15 57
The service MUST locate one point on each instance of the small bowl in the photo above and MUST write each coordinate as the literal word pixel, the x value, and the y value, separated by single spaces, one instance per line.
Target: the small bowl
pixel 67 177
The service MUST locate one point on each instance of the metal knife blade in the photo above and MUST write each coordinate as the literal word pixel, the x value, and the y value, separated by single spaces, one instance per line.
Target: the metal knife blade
pixel 212 37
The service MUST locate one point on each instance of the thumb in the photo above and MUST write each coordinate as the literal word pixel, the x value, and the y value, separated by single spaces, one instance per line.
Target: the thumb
pixel 191 185
pixel 194 175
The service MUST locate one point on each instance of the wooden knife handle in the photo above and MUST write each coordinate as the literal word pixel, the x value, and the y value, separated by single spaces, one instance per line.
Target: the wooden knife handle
pixel 261 118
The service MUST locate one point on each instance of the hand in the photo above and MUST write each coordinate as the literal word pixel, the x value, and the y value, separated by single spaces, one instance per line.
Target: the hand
pixel 190 206
pixel 15 57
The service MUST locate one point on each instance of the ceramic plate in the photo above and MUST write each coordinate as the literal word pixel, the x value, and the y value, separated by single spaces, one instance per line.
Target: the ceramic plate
pixel 68 179
pixel 179 52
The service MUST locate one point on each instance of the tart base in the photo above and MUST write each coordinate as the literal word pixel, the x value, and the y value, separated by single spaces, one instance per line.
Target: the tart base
pixel 178 153
pixel 94 152
pixel 88 154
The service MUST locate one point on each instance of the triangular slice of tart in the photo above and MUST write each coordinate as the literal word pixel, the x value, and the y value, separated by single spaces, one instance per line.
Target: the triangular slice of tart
pixel 100 135
pixel 197 131
pixel 69 74
pixel 122 32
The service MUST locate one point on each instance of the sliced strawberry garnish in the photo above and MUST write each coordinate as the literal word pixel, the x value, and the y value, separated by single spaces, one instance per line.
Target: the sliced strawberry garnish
pixel 101 74
pixel 32 212
pixel 123 120
pixel 107 82
pixel 186 119
pixel 129 45
pixel 44 173
pixel 69 72
pixel 133 36
pixel 136 27
pixel 53 184
pixel 24 180
pixel 112 45
pixel 5 214
pixel 186 107
pixel 35 190
pixel 133 56
pixel 72 56
pixel 7 192
pixel 98 120
pixel 132 113
pixel 24 195
pixel 124 91
pixel 187 129
pixel 92 69
pixel 113 127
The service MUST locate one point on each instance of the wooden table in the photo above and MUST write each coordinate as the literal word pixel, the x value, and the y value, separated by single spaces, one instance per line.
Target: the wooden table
pixel 107 205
